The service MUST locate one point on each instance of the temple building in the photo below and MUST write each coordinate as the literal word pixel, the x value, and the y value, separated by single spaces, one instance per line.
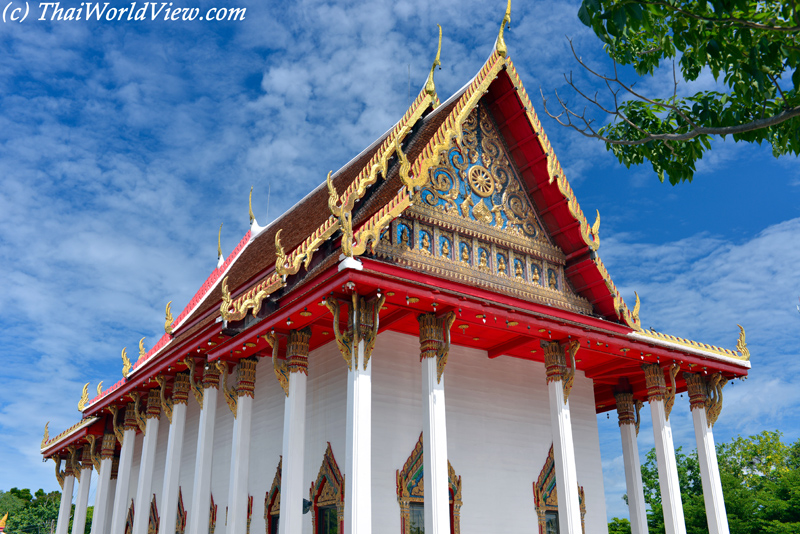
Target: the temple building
pixel 421 344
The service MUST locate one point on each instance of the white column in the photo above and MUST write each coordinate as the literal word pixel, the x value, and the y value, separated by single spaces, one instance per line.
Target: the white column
pixel 103 493
pixel 64 511
pixel 112 492
pixel 240 448
pixel 85 482
pixel 121 501
pixel 669 483
pixel 201 493
pixel 172 467
pixel 358 446
pixel 707 454
pixel 559 382
pixel 629 429
pixel 433 353
pixel 293 483
pixel 144 493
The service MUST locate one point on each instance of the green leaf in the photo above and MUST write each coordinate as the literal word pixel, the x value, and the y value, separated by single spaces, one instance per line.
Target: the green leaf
pixel 583 15
pixel 796 79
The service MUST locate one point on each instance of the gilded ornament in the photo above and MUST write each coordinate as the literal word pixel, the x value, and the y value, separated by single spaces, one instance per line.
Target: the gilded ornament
pixel 430 87
pixel 596 228
pixel 250 206
pixel 518 273
pixel 654 379
pixel 445 248
pixel 344 339
pixel 92 454
pixel 100 388
pixel 142 352
pixel 501 266
pixel 551 281
pixel 126 363
pixel 46 437
pixel 278 366
pixel 500 45
pixel 246 377
pixel 280 255
pixel 434 339
pixel 114 410
pixel 197 390
pixel 168 320
pixel 464 253
pixel 230 393
pixel 166 403
pixel 482 261
pixel 367 323
pixel 138 419
pixel 60 475
pixel 714 399
pixel 3 522
pixel 84 397
pixel 482 213
pixel 670 396
pixel 426 243
pixel 73 464
pixel 569 372
pixel 741 344
pixel 638 405
pixel 481 181
pixel 635 313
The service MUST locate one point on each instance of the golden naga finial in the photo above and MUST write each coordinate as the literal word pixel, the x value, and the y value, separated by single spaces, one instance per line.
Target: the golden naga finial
pixel 3 521
pixel 168 321
pixel 100 388
pixel 430 87
pixel 596 225
pixel 126 363
pixel 46 437
pixel 500 46
pixel 84 397
pixel 636 308
pixel 333 196
pixel 741 344
pixel 142 352
pixel 219 241
pixel 252 217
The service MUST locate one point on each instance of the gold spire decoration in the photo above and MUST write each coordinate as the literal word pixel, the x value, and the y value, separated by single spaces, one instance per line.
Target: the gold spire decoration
pixel 500 46
pixel 84 397
pixel 430 87
pixel 100 388
pixel 142 352
pixel 219 241
pixel 126 363
pixel 636 308
pixel 596 225
pixel 46 437
pixel 250 203
pixel 3 521
pixel 741 344
pixel 280 254
pixel 168 321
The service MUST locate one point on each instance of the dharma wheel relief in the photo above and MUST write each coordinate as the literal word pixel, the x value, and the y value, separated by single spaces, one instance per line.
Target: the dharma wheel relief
pixel 447 279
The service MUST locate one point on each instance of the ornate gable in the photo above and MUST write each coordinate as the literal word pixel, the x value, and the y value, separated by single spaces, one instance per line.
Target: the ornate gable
pixel 472 220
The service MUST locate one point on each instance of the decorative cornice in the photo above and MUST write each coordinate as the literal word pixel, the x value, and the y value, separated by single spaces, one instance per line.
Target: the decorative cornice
pixel 246 377
pixel 211 376
pixel 153 404
pixel 297 350
pixel 625 409
pixel 559 368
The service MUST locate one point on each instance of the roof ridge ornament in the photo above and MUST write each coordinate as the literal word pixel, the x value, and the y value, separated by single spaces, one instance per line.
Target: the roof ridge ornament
pixel 168 320
pixel 84 397
pixel 430 87
pixel 46 436
pixel 250 206
pixel 500 44
pixel 126 363
pixel 142 352
pixel 741 344
pixel 255 228
pixel 100 388
pixel 220 259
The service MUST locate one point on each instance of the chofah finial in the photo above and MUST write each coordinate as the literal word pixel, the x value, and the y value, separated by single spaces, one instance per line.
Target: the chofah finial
pixel 430 87
pixel 500 45
pixel 250 206
pixel 220 259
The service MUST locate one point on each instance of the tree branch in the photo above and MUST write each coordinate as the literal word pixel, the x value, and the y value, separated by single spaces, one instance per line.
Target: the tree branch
pixel 726 21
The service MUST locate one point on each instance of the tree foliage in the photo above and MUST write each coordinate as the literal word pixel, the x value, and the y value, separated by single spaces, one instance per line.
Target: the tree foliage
pixel 751 48
pixel 760 481
pixel 37 515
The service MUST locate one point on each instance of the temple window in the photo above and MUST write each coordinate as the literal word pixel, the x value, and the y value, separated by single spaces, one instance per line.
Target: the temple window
pixel 545 498
pixel 272 502
pixel 327 497
pixel 180 523
pixel 411 494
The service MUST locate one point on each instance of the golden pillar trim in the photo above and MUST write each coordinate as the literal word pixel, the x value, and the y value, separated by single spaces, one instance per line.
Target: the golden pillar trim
pixel 625 409
pixel 108 447
pixel 118 431
pixel 84 397
pixel 654 378
pixel 434 339
pixel 180 389
pixel 297 350
pixel 114 467
pixel 344 339
pixel 714 399
pixel 166 403
pixel 638 406
pixel 669 401
pixel 211 376
pixel 367 323
pixel 133 417
pixel 93 455
pixel 558 366
pixel 196 388
pixel 154 403
pixel 229 393
pixel 278 366
pixel 60 474
pixel 246 377
pixel 698 393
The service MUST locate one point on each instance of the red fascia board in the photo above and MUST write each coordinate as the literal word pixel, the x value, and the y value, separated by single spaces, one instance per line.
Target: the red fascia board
pixel 96 428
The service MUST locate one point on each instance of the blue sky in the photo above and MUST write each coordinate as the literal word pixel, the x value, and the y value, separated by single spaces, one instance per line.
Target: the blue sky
pixel 124 145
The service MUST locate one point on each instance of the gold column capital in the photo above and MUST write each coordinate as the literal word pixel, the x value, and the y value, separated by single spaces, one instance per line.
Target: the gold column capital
pixel 654 378
pixel 180 389
pixel 246 377
pixel 698 392
pixel 297 350
pixel 154 403
pixel 559 361
pixel 108 447
pixel 434 339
